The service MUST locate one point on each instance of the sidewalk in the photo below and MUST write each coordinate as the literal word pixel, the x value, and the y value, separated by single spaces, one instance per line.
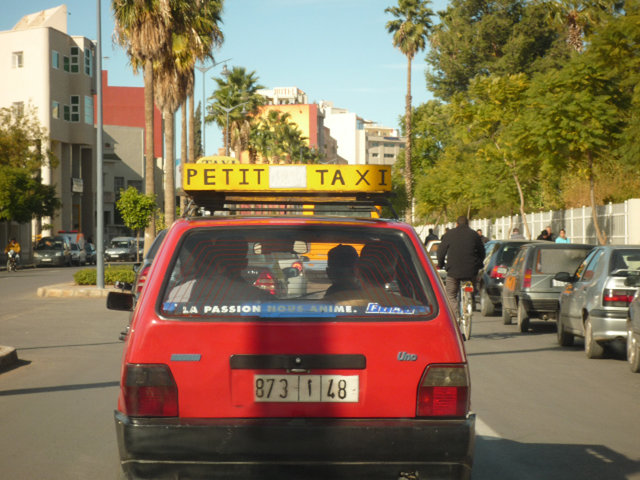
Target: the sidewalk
pixel 9 356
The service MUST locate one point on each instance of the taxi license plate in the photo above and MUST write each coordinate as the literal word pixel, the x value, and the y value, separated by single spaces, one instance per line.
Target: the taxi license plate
pixel 306 388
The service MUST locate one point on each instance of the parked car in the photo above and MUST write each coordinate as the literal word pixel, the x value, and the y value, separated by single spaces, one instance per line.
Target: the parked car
pixel 633 324
pixel 530 289
pixel 595 303
pixel 91 253
pixel 121 249
pixel 78 255
pixel 52 251
pixel 222 378
pixel 499 255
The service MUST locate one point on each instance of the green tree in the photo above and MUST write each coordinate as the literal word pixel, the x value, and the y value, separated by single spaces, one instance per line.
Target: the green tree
pixel 489 37
pixel 197 134
pixel 137 210
pixel 410 29
pixel 238 87
pixel 492 106
pixel 573 122
pixel 142 29
pixel 22 194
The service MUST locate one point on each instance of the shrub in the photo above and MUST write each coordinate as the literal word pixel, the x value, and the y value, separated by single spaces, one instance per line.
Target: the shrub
pixel 112 274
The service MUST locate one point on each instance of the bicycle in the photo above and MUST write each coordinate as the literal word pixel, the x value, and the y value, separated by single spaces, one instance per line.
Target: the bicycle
pixel 465 308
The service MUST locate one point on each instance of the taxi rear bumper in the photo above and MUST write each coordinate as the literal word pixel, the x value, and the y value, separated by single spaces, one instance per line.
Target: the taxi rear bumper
pixel 295 448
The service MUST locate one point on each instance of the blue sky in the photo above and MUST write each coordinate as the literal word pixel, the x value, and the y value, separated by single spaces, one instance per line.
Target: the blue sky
pixel 334 50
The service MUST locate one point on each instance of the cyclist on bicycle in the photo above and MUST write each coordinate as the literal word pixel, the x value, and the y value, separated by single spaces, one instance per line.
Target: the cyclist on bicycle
pixel 464 252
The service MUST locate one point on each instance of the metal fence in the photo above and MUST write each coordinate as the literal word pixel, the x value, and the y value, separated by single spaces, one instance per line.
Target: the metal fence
pixel 619 222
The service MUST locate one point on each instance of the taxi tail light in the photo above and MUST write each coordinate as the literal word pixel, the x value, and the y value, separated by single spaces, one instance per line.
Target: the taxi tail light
pixel 266 282
pixel 617 298
pixel 526 280
pixel 150 391
pixel 444 391
pixel 499 271
pixel 142 279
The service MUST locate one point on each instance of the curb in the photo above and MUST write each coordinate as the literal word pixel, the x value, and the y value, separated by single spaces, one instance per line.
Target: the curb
pixel 65 290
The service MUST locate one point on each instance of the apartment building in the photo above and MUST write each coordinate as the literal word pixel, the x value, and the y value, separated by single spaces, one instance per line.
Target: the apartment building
pixel 44 67
pixel 361 141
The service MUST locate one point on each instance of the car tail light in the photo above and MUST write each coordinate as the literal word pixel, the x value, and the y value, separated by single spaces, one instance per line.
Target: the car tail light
pixel 444 391
pixel 617 298
pixel 297 266
pixel 266 282
pixel 526 280
pixel 150 391
pixel 499 271
pixel 142 279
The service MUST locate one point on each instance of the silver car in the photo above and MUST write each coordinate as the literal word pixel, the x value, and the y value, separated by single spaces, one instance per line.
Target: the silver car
pixel 121 249
pixel 595 302
pixel 633 325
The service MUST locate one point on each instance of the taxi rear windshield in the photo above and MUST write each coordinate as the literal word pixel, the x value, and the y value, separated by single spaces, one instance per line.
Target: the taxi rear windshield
pixel 297 272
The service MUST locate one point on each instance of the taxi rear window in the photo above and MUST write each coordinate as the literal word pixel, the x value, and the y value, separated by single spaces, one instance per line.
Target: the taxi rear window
pixel 294 272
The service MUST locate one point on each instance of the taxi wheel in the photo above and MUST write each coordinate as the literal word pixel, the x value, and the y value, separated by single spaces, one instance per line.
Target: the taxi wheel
pixel 506 316
pixel 591 348
pixel 633 350
pixel 522 318
pixel 565 339
pixel 486 305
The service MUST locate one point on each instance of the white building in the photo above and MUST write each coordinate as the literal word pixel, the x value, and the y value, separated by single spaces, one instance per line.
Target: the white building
pixel 361 141
pixel 44 67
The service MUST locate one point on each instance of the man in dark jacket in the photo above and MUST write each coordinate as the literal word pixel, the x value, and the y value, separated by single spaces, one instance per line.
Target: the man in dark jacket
pixel 464 252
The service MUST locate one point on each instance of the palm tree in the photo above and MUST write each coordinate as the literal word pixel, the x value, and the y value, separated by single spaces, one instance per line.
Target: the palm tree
pixel 410 29
pixel 141 28
pixel 239 87
pixel 578 16
pixel 194 27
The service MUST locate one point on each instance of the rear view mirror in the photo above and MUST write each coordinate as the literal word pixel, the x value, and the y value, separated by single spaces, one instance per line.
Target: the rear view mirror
pixel 120 301
pixel 563 277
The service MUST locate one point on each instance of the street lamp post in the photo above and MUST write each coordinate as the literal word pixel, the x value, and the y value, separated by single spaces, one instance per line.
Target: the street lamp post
pixel 228 110
pixel 204 70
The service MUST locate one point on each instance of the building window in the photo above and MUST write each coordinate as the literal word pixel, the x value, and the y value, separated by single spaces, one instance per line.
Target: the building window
pixel 19 108
pixel 389 155
pixel 55 110
pixel 88 62
pixel 55 59
pixel 75 59
pixel 17 59
pixel 88 110
pixel 66 113
pixel 75 108
pixel 65 63
pixel 137 184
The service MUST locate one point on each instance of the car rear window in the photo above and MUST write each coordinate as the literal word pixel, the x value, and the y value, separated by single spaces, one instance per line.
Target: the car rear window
pixel 624 260
pixel 247 273
pixel 507 254
pixel 552 260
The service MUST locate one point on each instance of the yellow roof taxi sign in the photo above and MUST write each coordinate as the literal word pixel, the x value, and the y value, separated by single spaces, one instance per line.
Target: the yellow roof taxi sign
pixel 220 177
pixel 217 159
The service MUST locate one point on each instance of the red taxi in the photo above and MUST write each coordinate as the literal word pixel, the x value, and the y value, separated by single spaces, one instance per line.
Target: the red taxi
pixel 362 373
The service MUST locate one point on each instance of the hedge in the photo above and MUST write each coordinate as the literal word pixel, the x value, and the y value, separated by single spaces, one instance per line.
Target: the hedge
pixel 112 274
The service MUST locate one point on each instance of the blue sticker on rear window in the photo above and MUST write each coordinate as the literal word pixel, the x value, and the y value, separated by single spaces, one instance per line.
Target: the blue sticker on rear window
pixel 291 309
pixel 378 309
